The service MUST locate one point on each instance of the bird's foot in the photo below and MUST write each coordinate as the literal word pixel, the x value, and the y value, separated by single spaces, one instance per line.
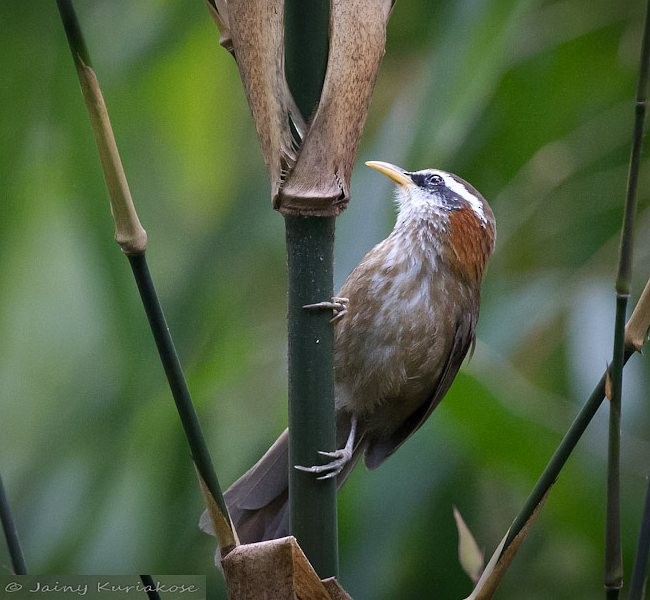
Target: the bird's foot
pixel 332 468
pixel 338 305
pixel 341 457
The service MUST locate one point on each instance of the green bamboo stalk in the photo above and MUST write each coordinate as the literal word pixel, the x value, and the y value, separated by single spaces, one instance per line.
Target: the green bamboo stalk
pixel 310 244
pixel 132 239
pixel 613 552
pixel 11 534
pixel 637 583
pixel 310 254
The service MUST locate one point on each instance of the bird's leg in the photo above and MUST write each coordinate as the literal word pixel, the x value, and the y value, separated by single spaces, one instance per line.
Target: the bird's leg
pixel 341 457
pixel 336 304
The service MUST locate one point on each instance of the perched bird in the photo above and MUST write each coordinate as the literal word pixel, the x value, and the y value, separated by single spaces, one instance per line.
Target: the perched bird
pixel 403 323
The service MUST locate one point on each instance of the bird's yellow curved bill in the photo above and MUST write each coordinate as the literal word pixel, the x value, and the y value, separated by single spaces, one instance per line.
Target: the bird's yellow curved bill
pixel 397 174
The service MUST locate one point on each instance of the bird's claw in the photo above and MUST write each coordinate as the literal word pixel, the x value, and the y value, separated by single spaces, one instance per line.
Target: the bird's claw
pixel 338 305
pixel 332 468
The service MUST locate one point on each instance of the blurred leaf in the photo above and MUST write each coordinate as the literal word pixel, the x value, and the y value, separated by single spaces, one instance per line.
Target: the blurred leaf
pixel 469 554
pixel 480 591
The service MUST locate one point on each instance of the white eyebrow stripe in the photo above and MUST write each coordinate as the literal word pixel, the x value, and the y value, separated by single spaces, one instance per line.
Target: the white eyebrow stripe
pixel 458 188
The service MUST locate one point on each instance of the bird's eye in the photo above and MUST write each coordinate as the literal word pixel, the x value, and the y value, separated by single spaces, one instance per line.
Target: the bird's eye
pixel 426 179
pixel 433 179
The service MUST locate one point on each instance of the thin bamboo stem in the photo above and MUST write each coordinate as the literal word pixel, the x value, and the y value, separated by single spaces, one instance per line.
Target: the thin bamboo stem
pixel 132 239
pixel 613 551
pixel 129 233
pixel 561 455
pixel 178 385
pixel 636 327
pixel 11 534
pixel 627 236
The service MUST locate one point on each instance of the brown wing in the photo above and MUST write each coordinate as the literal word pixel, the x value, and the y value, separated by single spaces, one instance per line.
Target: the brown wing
pixel 380 449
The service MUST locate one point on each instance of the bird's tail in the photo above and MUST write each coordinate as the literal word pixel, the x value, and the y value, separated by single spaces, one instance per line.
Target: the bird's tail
pixel 258 501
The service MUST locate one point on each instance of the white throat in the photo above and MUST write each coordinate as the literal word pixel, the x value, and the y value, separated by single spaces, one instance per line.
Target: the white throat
pixel 415 206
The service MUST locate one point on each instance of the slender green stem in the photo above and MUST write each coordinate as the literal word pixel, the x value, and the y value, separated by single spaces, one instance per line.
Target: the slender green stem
pixel 627 237
pixel 560 456
pixel 642 550
pixel 73 31
pixel 176 379
pixel 613 552
pixel 132 238
pixel 129 233
pixel 11 534
pixel 150 585
pixel 310 258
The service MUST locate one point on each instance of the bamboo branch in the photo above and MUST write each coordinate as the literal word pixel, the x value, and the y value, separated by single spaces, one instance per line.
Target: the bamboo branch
pixel 613 552
pixel 200 454
pixel 559 458
pixel 576 430
pixel 129 233
pixel 638 326
pixel 132 239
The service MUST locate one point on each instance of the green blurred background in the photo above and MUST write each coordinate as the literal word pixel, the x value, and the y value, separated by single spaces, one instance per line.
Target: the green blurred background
pixel 531 101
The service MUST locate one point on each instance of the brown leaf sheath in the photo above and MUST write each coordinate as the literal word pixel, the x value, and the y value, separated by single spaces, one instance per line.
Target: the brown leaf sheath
pixel 319 183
